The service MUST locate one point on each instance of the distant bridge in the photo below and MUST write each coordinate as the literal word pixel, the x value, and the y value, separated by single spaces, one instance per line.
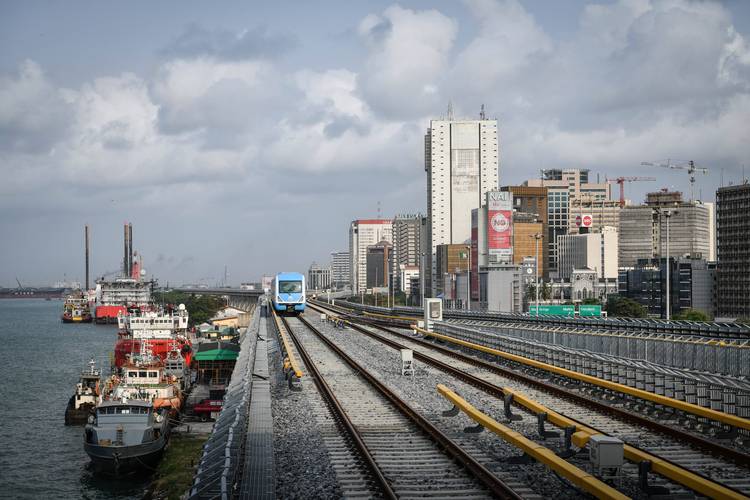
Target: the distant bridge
pixel 236 297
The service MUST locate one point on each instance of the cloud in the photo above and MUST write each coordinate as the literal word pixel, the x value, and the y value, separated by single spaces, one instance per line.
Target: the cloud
pixel 407 56
pixel 33 113
pixel 254 43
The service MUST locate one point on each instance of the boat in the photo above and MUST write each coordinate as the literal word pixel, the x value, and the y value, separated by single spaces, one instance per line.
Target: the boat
pixel 116 297
pixel 144 375
pixel 82 403
pixel 125 435
pixel 164 331
pixel 76 309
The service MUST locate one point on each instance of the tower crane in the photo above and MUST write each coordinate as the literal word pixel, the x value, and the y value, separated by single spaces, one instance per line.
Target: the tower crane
pixel 688 165
pixel 622 180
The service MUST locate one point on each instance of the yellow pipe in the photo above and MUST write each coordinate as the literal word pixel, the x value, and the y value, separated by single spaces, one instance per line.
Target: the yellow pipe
pixel 544 455
pixel 287 347
pixel 719 416
pixel 671 471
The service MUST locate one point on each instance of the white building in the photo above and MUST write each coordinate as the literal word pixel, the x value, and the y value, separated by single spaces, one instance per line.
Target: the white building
pixel 340 269
pixel 363 233
pixel 461 161
pixel 596 251
pixel 406 275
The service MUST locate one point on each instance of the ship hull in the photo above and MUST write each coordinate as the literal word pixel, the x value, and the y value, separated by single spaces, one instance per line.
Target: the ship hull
pixel 108 314
pixel 78 416
pixel 119 460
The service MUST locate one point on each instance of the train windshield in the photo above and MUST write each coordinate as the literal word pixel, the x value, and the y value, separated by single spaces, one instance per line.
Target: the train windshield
pixel 290 287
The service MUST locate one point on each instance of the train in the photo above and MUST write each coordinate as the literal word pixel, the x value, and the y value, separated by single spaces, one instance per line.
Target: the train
pixel 289 293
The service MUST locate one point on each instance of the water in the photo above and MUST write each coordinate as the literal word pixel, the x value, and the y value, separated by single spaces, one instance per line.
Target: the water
pixel 40 361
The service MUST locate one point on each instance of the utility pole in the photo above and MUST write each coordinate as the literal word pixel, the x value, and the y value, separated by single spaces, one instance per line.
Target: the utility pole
pixel 537 237
pixel 468 271
pixel 668 215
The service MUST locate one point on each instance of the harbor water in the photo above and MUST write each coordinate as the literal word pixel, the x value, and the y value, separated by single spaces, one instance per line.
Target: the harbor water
pixel 41 361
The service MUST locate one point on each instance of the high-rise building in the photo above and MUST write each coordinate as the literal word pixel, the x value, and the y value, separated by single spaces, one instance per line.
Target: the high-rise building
pixel 378 260
pixel 533 202
pixel 461 161
pixel 563 188
pixel 595 251
pixel 363 233
pixel 318 277
pixel 340 269
pixel 407 232
pixel 525 228
pixel 643 229
pixel 733 251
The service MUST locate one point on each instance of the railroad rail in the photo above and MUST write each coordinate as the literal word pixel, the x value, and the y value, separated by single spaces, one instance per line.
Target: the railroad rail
pixel 469 478
pixel 681 475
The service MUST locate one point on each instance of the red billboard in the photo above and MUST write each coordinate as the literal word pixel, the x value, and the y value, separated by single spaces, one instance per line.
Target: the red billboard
pixel 584 220
pixel 499 223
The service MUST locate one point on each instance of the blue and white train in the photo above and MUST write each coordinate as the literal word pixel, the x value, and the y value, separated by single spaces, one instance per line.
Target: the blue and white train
pixel 289 292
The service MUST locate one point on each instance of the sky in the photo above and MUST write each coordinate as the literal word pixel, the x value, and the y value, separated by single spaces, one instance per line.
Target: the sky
pixel 250 134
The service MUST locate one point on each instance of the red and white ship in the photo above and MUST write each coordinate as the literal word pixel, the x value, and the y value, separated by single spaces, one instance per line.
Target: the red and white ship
pixel 131 290
pixel 163 331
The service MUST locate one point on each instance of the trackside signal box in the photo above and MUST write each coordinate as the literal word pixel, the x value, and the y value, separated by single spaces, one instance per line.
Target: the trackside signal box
pixel 433 311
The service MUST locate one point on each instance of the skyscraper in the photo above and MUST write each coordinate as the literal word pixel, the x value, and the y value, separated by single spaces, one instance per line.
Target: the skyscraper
pixel 733 251
pixel 461 161
pixel 406 245
pixel 340 269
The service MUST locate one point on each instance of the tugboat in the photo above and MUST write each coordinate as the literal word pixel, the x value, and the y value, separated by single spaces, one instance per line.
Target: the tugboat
pixel 76 309
pixel 126 435
pixel 83 402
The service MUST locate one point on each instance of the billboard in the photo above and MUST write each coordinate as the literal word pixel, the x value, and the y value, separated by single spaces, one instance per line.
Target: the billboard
pixel 499 223
pixel 584 220
pixel 589 310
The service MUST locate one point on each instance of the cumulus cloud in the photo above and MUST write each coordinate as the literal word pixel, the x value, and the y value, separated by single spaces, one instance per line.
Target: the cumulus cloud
pixel 255 43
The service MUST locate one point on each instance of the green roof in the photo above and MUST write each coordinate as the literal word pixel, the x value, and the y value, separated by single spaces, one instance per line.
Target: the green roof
pixel 216 355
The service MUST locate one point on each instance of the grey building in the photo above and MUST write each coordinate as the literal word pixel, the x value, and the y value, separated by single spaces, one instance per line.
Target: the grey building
pixel 340 264
pixel 691 285
pixel 378 257
pixel 643 229
pixel 318 277
pixel 406 235
pixel 733 251
pixel 501 289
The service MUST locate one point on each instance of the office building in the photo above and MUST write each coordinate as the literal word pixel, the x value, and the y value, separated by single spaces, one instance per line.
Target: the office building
pixel 340 269
pixel 318 277
pixel 378 265
pixel 461 161
pixel 526 245
pixel 502 289
pixel 643 229
pixel 363 233
pixel 450 260
pixel 566 187
pixel 407 235
pixel 691 283
pixel 407 276
pixel 733 251
pixel 596 251
pixel 533 202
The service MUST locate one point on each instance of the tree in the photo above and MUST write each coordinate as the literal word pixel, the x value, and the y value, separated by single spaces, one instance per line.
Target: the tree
pixel 623 307
pixel 593 301
pixel 692 315
pixel 200 308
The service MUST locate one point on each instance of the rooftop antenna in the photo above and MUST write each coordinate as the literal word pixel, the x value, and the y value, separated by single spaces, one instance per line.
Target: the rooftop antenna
pixel 482 116
pixel 450 111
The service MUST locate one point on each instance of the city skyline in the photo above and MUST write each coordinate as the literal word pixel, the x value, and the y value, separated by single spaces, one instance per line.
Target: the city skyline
pixel 230 137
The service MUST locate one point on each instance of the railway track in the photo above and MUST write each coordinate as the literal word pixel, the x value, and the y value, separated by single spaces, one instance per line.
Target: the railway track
pixel 689 452
pixel 405 455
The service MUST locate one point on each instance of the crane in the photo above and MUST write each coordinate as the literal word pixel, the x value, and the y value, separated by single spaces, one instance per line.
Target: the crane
pixel 622 180
pixel 688 165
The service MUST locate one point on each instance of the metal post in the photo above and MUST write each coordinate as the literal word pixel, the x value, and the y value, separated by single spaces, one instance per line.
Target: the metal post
pixel 421 275
pixel 536 286
pixel 668 215
pixel 468 282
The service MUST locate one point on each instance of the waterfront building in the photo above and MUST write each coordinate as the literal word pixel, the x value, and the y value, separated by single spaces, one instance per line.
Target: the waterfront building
pixel 643 231
pixel 733 251
pixel 318 277
pixel 363 233
pixel 339 269
pixel 461 161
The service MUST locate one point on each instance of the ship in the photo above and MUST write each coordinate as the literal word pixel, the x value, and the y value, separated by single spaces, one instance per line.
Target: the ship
pixel 117 296
pixel 76 308
pixel 125 435
pixel 163 331
pixel 83 402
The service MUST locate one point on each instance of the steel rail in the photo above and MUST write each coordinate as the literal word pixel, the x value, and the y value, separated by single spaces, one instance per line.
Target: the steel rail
pixel 733 454
pixel 480 472
pixel 342 417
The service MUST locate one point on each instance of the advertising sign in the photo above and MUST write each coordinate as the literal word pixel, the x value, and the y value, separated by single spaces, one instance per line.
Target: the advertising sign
pixel 584 220
pixel 589 310
pixel 499 223
pixel 552 310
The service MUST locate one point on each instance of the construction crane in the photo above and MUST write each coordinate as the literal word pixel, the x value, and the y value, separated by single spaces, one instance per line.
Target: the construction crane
pixel 688 165
pixel 622 180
